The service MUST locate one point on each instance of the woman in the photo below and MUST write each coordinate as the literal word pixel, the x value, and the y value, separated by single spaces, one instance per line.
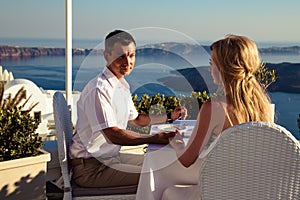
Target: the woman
pixel 240 98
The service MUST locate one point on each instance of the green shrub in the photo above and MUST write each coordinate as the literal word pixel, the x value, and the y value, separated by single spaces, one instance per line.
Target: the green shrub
pixel 193 103
pixel 265 76
pixel 161 104
pixel 17 128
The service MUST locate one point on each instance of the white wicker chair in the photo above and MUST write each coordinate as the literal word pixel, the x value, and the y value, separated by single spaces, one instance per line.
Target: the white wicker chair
pixel 254 160
pixel 64 129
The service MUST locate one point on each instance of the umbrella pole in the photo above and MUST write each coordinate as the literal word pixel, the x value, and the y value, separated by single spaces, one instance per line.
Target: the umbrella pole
pixel 68 53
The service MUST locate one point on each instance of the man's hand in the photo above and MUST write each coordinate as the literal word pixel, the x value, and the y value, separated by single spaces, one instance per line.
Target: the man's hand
pixel 163 137
pixel 180 112
pixel 177 142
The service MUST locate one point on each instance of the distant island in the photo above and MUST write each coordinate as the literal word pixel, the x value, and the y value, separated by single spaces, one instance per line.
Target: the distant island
pixel 16 51
pixel 288 73
pixel 287 79
pixel 164 48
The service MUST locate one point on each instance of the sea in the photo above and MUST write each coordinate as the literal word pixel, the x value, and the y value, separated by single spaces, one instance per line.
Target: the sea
pixel 48 72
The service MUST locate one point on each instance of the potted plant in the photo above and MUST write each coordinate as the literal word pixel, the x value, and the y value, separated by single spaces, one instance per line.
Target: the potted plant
pixel 23 163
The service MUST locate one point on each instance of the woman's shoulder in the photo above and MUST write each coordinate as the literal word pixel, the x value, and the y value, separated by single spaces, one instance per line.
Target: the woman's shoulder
pixel 218 106
pixel 215 101
pixel 212 106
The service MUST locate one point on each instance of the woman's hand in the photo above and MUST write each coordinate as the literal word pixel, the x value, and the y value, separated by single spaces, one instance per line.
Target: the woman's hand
pixel 177 142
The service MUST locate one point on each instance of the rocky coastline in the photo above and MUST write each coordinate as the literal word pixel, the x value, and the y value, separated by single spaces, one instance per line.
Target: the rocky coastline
pixel 287 79
pixel 164 48
pixel 17 51
pixel 288 73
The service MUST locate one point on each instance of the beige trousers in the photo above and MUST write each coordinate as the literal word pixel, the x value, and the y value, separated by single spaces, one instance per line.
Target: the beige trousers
pixel 121 170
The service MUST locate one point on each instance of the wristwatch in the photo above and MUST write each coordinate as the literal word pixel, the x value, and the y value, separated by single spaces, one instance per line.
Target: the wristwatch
pixel 170 120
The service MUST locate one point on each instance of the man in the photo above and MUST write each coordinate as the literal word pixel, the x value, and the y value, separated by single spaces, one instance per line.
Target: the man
pixel 104 109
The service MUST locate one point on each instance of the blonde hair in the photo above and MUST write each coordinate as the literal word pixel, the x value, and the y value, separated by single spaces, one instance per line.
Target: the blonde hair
pixel 237 59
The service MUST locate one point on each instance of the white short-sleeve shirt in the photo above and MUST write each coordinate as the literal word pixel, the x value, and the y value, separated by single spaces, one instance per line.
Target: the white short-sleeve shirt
pixel 104 102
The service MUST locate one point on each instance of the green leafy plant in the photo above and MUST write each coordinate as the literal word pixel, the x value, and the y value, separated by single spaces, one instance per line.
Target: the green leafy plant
pixel 17 127
pixel 193 103
pixel 265 76
pixel 160 104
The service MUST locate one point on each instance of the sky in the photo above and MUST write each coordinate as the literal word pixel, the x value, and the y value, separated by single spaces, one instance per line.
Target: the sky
pixel 201 20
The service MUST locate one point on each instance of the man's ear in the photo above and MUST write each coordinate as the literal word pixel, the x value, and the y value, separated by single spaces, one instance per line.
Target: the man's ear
pixel 105 54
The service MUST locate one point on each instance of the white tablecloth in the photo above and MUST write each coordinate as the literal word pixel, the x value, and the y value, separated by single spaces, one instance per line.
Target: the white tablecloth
pixel 161 170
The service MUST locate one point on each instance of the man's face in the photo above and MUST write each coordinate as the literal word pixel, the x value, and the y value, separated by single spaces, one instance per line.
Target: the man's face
pixel 121 59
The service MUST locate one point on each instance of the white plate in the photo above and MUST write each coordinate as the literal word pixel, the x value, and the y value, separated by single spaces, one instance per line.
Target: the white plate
pixel 171 127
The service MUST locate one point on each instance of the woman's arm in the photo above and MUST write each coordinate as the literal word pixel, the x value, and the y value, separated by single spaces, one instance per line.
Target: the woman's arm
pixel 201 134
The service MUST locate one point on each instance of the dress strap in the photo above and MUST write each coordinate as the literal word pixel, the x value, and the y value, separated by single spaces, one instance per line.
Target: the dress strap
pixel 227 115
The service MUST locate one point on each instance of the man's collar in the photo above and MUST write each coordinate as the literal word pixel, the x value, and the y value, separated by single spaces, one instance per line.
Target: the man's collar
pixel 114 81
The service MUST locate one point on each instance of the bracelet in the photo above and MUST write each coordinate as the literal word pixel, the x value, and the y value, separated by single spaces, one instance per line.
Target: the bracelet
pixel 169 116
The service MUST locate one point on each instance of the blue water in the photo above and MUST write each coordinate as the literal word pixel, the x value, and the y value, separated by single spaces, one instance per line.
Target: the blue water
pixel 48 72
pixel 91 43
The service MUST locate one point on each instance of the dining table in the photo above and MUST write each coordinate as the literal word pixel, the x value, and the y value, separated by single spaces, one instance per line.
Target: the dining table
pixel 161 167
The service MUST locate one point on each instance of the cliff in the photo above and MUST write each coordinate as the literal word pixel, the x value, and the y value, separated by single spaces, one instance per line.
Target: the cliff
pixel 16 51
pixel 288 73
pixel 287 79
pixel 161 49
